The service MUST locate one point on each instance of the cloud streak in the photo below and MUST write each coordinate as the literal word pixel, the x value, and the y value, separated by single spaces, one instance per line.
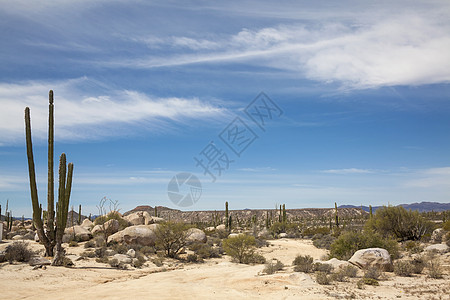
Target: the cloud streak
pixel 106 113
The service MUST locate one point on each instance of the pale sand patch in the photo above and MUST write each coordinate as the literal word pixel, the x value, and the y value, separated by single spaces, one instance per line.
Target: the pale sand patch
pixel 215 279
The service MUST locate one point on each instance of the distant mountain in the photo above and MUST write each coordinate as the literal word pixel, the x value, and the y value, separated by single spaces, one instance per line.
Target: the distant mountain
pixel 421 207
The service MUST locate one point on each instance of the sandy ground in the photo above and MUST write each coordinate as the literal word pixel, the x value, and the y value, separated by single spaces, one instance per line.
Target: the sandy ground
pixel 214 279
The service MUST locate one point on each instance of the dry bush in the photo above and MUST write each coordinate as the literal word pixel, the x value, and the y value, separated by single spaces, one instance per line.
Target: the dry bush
pixel 320 267
pixel 303 264
pixel 322 278
pixel 434 269
pixel 323 241
pixel 73 244
pixel 18 251
pixel 273 267
pixel 403 268
pixel 89 244
pixel 373 273
pixel 419 264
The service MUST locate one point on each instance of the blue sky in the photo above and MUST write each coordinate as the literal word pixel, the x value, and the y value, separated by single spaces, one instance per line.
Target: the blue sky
pixel 141 88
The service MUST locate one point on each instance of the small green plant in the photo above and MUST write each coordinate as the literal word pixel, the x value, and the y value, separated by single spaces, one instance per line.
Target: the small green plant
pixel 272 267
pixel 139 262
pixel 368 281
pixel 88 254
pixel 322 278
pixel 413 247
pixel 158 261
pixel 339 276
pixel 194 258
pixel 116 264
pixel 403 268
pixel 18 251
pixel 171 237
pixel 303 264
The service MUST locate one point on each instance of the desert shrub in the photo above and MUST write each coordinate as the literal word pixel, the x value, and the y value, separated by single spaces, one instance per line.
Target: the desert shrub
pixel 102 260
pixel 311 231
pixel 373 273
pixel 303 264
pixel 171 237
pixel 434 269
pixel 419 264
pixel 67 262
pixel 255 258
pixel 204 250
pixel 157 261
pixel 360 284
pixel 446 225
pixel 88 253
pixel 89 244
pixel 322 278
pixel 120 248
pixel 240 247
pixel 194 258
pixel 100 252
pixel 147 250
pixel 99 241
pixel 18 251
pixel 272 267
pixel 400 223
pixel 369 281
pixel 413 247
pixel 403 268
pixel 349 242
pixel 349 271
pixel 114 262
pixel 73 244
pixel 291 229
pixel 320 267
pixel 138 262
pixel 260 242
pixel 323 241
pixel 338 276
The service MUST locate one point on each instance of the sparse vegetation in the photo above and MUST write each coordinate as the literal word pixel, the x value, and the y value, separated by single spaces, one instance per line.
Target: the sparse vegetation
pixel 171 237
pixel 434 269
pixel 322 278
pixel 303 264
pixel 273 266
pixel 373 273
pixel 403 268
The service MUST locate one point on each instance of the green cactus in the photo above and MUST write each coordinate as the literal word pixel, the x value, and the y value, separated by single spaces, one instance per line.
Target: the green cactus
pixel 284 213
pixel 226 215
pixel 336 215
pixel 156 211
pixel 53 236
pixel 79 215
pixel 229 224
pixel 370 211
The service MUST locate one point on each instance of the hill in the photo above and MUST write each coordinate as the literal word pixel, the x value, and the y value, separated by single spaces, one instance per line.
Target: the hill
pixel 421 207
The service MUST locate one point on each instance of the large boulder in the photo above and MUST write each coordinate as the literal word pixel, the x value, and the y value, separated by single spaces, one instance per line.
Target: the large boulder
pixel 440 248
pixel 136 218
pixel 436 236
pixel 336 263
pixel 87 224
pixel 139 234
pixel 194 235
pixel 111 227
pixel 372 257
pixel 80 233
pixel 221 227
pixel 154 220
pixel 123 258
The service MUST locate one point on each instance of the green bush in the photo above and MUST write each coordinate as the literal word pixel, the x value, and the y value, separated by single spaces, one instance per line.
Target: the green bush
pixel 349 242
pixel 320 267
pixel 311 231
pixel 73 244
pixel 446 225
pixel 242 249
pixel 323 241
pixel 403 268
pixel 413 247
pixel 171 237
pixel 89 244
pixel 204 250
pixel 18 251
pixel 303 264
pixel 369 281
pixel 400 223
pixel 193 258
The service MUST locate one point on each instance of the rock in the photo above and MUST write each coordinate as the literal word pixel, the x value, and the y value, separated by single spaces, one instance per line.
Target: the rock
pixel 17 237
pixel 14 228
pixel 97 229
pixel 136 218
pixel 372 257
pixel 29 235
pixel 139 234
pixel 211 228
pixel 122 258
pixel 36 237
pixel 221 227
pixel 111 226
pixel 154 220
pixel 87 224
pixel 74 257
pixel 263 233
pixel 440 248
pixel 131 253
pixel 336 263
pixel 81 234
pixel 282 235
pixel 147 218
pixel 231 235
pixel 110 252
pixel 436 236
pixel 39 261
pixel 194 235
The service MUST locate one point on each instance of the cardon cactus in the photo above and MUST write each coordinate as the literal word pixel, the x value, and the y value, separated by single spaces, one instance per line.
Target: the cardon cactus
pixel 52 236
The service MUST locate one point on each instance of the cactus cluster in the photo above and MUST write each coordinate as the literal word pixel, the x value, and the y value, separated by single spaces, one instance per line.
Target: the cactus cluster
pixel 52 236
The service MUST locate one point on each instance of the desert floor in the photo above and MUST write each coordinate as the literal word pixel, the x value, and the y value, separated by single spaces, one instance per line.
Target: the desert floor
pixel 214 279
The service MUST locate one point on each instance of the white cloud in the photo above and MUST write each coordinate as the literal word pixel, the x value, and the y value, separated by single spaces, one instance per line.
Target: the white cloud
pixel 348 171
pixel 430 178
pixel 79 116
pixel 397 49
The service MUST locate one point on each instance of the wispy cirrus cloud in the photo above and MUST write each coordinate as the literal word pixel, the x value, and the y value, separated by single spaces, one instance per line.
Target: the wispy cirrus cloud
pixel 101 114
pixel 348 171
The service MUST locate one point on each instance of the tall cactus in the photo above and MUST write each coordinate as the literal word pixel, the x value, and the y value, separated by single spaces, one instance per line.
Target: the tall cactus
pixel 336 214
pixel 79 214
pixel 284 213
pixel 370 211
pixel 53 235
pixel 226 215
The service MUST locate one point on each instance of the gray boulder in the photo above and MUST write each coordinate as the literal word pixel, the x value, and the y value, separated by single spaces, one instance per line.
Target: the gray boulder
pixel 123 258
pixel 440 248
pixel 139 234
pixel 194 235
pixel 80 233
pixel 372 257
pixel 87 224
pixel 136 218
